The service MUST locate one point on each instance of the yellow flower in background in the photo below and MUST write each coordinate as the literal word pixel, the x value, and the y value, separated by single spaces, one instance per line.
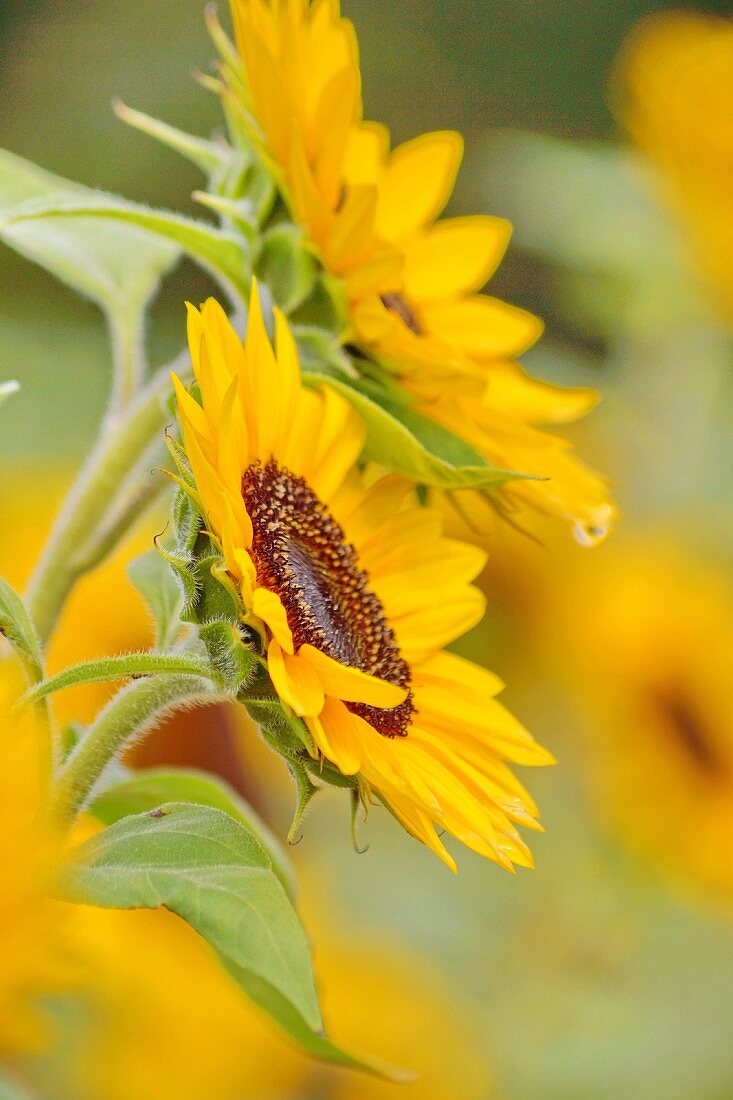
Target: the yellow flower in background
pixel 381 996
pixel 411 281
pixel 649 637
pixel 675 91
pixel 111 1005
pixel 104 614
pixel 189 1031
pixel 355 592
pixel 31 963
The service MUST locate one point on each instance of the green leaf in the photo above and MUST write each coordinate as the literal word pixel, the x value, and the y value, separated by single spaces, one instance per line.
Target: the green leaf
pixel 124 667
pixel 223 254
pixel 7 389
pixel 152 576
pixel 118 266
pixel 212 872
pixel 148 789
pixel 18 628
pixel 409 443
pixel 286 266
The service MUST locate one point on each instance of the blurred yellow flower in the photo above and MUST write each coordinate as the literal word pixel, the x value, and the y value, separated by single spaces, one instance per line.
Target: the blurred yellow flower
pixel 411 282
pixel 113 1005
pixel 106 1005
pixel 675 89
pixel 31 961
pixel 92 623
pixel 381 997
pixel 649 636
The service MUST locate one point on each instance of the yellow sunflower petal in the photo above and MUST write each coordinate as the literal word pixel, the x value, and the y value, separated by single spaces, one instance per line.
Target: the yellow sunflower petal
pixel 268 606
pixel 296 682
pixel 483 326
pixel 535 402
pixel 366 153
pixel 339 735
pixel 351 684
pixel 418 179
pixel 454 257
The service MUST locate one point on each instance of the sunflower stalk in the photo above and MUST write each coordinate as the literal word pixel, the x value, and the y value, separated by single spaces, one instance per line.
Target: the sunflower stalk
pixel 129 715
pixel 128 356
pixel 93 518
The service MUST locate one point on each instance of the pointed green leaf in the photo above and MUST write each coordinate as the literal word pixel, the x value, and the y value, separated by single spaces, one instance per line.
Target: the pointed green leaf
pixel 407 442
pixel 150 788
pixel 152 576
pixel 223 254
pixel 18 628
pixel 210 157
pixel 125 667
pixel 115 265
pixel 286 266
pixel 212 872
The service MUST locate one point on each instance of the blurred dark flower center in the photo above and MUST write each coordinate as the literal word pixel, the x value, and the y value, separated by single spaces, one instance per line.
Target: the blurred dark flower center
pixel 397 304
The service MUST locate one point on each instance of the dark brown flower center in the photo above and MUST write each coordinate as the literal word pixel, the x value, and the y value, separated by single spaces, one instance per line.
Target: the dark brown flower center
pixel 301 553
pixel 691 729
pixel 397 304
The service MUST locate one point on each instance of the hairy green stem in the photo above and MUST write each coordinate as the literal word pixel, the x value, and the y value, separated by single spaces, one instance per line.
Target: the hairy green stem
pixel 134 711
pixel 128 353
pixel 72 549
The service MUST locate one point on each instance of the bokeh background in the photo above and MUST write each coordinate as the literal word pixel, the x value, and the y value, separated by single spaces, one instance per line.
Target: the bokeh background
pixel 608 970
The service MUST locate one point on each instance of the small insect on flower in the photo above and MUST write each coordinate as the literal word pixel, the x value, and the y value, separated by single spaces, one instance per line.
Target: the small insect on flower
pixel 354 591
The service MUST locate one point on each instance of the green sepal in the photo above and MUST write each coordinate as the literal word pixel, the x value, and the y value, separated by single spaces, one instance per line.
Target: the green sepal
pixel 154 580
pixel 16 625
pixel 286 266
pixel 326 306
pixel 180 458
pixel 305 790
pixel 182 566
pixel 209 156
pixel 321 353
pixel 216 596
pixel 243 194
pixel 357 801
pixel 231 657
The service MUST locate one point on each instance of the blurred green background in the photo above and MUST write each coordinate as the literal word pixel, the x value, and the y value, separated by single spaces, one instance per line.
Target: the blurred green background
pixel 594 978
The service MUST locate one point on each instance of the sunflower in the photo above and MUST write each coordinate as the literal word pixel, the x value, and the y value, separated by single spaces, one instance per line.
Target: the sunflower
pixel 675 92
pixel 649 639
pixel 411 281
pixel 354 591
